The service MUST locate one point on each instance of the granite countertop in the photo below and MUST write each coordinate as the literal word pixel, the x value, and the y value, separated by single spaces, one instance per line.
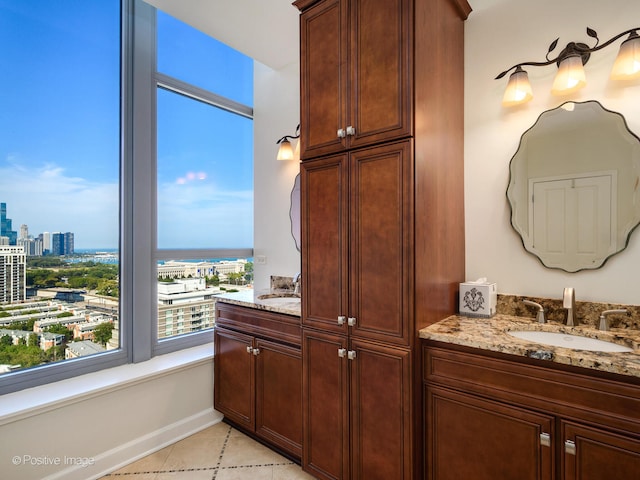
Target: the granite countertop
pixel 278 302
pixel 490 334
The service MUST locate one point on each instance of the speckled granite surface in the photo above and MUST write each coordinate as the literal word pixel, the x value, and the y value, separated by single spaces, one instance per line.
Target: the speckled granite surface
pixel 278 302
pixel 587 313
pixel 491 334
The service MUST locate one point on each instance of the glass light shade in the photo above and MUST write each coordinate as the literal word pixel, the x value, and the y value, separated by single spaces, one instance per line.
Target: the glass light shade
pixel 285 152
pixel 296 152
pixel 570 76
pixel 627 64
pixel 518 89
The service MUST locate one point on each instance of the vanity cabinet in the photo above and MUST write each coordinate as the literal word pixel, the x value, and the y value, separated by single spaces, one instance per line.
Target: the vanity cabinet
pixel 258 374
pixel 497 416
pixel 355 68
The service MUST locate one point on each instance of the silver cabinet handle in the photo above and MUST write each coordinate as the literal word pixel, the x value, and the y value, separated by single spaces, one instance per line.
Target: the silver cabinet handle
pixel 256 351
pixel 351 321
pixel 341 133
pixel 342 352
pixel 341 319
pixel 545 439
pixel 249 349
pixel 351 130
pixel 570 447
pixel 351 354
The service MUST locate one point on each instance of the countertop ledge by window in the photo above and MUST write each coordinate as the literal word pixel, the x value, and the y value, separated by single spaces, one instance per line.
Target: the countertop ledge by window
pixel 44 398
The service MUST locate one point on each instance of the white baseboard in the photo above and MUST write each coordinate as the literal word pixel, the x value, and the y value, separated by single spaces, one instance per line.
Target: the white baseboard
pixel 137 448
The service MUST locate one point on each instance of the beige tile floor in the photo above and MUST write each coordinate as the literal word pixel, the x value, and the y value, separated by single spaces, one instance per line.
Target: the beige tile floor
pixel 219 452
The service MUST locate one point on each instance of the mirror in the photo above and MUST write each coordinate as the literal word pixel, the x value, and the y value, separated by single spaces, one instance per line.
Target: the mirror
pixel 294 211
pixel 574 186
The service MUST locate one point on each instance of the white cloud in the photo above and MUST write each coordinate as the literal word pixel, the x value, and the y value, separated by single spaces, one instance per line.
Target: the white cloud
pixel 48 199
pixel 200 215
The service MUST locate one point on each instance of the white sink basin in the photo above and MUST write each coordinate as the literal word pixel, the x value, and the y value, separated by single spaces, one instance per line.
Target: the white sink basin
pixel 567 340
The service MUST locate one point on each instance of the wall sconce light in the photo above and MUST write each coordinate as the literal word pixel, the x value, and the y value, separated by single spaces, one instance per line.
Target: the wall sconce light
pixel 570 61
pixel 286 152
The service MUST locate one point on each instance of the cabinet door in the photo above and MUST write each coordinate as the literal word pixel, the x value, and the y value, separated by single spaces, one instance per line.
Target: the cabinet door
pixel 234 377
pixel 380 81
pixel 355 74
pixel 380 412
pixel 469 437
pixel 279 395
pixel 591 454
pixel 323 58
pixel 381 239
pixel 324 203
pixel 325 406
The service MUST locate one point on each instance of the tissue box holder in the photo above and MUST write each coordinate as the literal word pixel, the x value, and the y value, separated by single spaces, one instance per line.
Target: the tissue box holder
pixel 478 299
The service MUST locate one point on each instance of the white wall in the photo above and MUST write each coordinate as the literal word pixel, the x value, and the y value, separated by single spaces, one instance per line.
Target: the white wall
pixel 499 34
pixel 276 114
pixel 110 418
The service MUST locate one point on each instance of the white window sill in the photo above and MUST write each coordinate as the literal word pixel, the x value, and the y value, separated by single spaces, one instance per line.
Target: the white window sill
pixel 33 401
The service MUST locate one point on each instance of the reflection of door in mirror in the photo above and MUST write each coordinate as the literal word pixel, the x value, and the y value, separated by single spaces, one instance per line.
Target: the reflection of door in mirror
pixel 573 219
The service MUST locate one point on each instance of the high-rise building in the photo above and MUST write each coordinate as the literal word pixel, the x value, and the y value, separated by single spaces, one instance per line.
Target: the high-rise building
pixel 13 274
pixel 24 231
pixel 62 243
pixel 5 225
pixel 46 242
pixel 68 244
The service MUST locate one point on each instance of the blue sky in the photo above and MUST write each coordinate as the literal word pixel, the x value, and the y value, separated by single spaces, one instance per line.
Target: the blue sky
pixel 59 126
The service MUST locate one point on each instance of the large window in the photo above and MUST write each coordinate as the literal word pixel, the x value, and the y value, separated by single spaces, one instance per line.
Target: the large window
pixel 204 174
pixel 126 152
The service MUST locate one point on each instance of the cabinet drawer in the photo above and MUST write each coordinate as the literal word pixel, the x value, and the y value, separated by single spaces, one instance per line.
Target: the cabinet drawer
pixel 284 328
pixel 576 395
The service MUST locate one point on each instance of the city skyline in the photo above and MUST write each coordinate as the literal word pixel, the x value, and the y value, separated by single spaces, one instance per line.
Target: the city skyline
pixel 60 151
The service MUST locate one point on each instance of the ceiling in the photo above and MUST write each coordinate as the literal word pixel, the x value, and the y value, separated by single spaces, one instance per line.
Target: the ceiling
pixel 266 30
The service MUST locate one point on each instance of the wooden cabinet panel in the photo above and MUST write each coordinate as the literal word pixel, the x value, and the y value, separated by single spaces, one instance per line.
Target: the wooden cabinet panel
pixel 325 406
pixel 234 393
pixel 278 372
pixel 598 454
pixel 324 206
pixel 323 58
pixel 381 39
pixel 380 412
pixel 357 259
pixel 484 440
pixel 355 69
pixel 380 243
pixel 357 409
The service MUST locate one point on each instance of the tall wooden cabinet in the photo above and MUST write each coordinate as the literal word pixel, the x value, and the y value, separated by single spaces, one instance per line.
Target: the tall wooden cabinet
pixel 382 222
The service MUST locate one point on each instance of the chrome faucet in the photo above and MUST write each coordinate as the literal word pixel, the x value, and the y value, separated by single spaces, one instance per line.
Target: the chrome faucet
pixel 296 284
pixel 604 321
pixel 569 302
pixel 540 315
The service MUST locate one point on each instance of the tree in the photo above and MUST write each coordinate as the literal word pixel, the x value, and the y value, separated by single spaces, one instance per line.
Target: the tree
pixel 102 333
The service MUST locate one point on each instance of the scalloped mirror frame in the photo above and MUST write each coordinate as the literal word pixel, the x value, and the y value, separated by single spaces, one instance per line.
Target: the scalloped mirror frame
pixel 577 150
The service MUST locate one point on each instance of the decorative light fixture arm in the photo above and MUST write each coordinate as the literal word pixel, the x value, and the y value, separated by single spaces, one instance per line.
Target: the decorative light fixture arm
pixel 287 137
pixel 573 48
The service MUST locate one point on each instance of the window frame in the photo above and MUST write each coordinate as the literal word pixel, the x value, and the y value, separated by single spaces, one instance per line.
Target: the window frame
pixel 138 250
